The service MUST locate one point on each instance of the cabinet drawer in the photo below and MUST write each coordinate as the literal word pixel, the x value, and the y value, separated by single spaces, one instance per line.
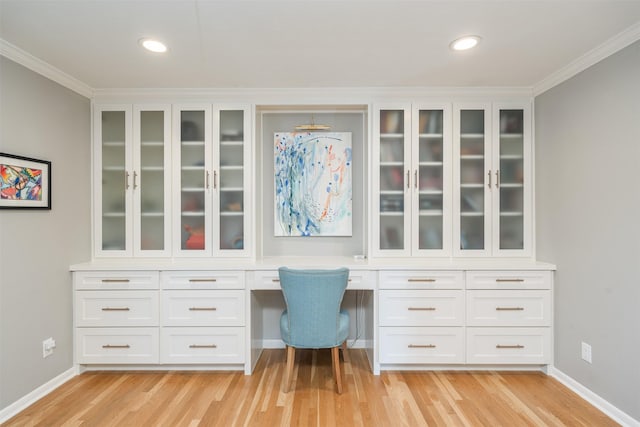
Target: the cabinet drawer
pixel 421 307
pixel 421 279
pixel 508 280
pixel 202 279
pixel 269 279
pixel 508 345
pixel 116 280
pixel 117 345
pixel 508 308
pixel 116 308
pixel 202 345
pixel 203 308
pixel 421 345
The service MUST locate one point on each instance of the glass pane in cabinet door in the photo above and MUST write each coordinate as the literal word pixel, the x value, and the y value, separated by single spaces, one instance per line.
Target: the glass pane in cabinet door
pixel 511 179
pixel 192 179
pixel 152 169
pixel 391 176
pixel 430 179
pixel 472 158
pixel 114 180
pixel 231 179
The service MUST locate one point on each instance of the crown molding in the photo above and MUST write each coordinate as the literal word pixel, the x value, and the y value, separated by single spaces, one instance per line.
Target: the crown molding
pixel 604 50
pixel 47 70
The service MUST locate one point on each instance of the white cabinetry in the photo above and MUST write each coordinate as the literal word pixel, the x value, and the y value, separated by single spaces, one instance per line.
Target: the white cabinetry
pixel 213 176
pixel 116 317
pixel 509 317
pixel 412 180
pixel 421 317
pixel 132 176
pixel 203 317
pixel 492 180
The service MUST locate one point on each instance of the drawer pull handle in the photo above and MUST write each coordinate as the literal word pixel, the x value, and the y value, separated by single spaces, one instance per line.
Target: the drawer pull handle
pixel 421 309
pixel 509 280
pixel 115 280
pixel 509 346
pixel 203 346
pixel 278 280
pixel 116 346
pixel 202 309
pixel 421 280
pixel 509 308
pixel 202 280
pixel 421 346
pixel 115 309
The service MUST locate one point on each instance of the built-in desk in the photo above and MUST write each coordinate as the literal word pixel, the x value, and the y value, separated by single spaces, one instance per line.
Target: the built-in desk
pixel 406 314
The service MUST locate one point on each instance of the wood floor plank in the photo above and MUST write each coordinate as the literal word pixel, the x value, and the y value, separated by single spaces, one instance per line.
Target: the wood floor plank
pixel 395 398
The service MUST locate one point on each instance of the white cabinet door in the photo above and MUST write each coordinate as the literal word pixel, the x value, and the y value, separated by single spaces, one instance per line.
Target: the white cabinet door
pixel 411 195
pixel 132 173
pixel 213 170
pixel 492 179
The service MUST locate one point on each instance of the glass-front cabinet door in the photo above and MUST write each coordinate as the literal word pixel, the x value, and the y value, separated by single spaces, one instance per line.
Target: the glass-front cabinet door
pixel 132 178
pixel 492 161
pixel 472 157
pixel 512 179
pixel 431 154
pixel 231 177
pixel 112 178
pixel 193 180
pixel 391 185
pixel 151 181
pixel 212 151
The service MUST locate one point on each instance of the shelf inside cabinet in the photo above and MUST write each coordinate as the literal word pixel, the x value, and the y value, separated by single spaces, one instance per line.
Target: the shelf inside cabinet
pixel 511 213
pixel 232 143
pixel 193 213
pixel 192 189
pixel 232 168
pixel 430 192
pixel 153 168
pixel 116 144
pixel 431 135
pixel 192 143
pixel 113 214
pixel 472 136
pixel 430 163
pixel 231 213
pixel 113 168
pixel 153 214
pixel 157 144
pixel 391 135
pixel 431 212
pixel 391 213
pixel 192 168
pixel 471 213
pixel 232 189
pixel 511 185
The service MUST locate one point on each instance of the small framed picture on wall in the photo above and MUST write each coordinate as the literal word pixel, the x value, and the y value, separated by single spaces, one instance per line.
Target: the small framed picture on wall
pixel 25 183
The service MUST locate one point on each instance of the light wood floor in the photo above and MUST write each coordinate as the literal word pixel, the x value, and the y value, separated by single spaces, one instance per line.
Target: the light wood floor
pixel 233 399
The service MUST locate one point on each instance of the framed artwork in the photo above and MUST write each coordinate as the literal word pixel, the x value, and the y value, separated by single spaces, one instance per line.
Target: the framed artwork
pixel 25 183
pixel 313 184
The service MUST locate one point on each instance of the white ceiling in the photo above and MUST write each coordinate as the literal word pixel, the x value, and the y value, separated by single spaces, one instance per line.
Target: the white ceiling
pixel 312 43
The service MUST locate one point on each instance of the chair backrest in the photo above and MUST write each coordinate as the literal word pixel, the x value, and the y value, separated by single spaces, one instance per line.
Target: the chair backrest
pixel 313 299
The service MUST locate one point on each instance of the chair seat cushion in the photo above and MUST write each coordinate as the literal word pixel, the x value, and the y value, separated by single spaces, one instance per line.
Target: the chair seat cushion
pixel 316 339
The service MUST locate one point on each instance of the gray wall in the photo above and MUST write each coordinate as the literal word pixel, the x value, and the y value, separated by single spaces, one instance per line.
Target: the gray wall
pixel 41 119
pixel 588 222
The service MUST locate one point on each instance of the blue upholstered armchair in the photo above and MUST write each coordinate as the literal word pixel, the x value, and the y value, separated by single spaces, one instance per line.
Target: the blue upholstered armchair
pixel 313 318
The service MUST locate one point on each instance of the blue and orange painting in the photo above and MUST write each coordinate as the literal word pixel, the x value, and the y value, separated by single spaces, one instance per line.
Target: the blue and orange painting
pixel 20 183
pixel 313 184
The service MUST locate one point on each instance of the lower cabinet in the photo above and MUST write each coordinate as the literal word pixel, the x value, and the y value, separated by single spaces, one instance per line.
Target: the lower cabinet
pixel 421 317
pixel 203 317
pixel 180 317
pixel 473 317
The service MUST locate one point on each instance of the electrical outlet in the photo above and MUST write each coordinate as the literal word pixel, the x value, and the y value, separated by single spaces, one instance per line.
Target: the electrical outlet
pixel 47 347
pixel 586 352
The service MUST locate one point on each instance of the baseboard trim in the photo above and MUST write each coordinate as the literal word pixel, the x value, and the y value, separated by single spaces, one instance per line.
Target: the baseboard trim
pixel 611 411
pixel 37 394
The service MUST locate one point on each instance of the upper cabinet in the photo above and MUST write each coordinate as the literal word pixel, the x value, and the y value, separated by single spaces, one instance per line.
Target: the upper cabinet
pixel 133 181
pixel 411 189
pixel 172 181
pixel 212 175
pixel 451 180
pixel 492 180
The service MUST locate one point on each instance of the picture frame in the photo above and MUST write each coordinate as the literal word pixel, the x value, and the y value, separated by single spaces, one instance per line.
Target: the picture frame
pixel 25 183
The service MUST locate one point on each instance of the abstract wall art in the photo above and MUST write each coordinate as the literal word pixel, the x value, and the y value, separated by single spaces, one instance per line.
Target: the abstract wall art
pixel 24 183
pixel 313 184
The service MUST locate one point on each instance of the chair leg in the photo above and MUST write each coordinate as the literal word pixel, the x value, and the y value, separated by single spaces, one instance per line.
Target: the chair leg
pixel 335 361
pixel 291 356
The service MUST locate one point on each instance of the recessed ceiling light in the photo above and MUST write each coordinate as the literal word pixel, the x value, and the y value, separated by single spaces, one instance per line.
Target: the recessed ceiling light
pixel 464 43
pixel 153 45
